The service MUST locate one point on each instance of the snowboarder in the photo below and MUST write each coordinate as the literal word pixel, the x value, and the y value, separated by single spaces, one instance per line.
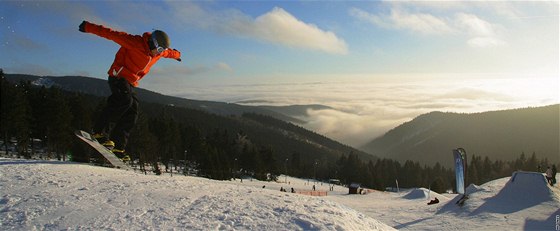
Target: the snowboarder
pixel 137 54
pixel 434 201
pixel 549 176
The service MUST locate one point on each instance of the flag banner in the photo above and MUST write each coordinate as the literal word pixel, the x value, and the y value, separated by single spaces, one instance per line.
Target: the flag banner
pixel 460 156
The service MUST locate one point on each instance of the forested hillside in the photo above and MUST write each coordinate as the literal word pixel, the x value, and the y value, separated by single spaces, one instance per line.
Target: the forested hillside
pixel 98 87
pixel 219 146
pixel 500 135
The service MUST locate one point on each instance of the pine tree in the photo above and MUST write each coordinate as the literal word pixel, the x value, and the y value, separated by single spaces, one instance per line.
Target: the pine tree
pixel 19 119
pixel 59 130
pixel 532 163
pixel 472 171
pixel 143 143
pixel 438 185
pixel 15 119
pixel 81 120
pixel 5 101
pixel 40 114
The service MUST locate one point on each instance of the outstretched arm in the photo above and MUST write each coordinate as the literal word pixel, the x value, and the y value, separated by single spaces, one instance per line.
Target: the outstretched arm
pixel 122 38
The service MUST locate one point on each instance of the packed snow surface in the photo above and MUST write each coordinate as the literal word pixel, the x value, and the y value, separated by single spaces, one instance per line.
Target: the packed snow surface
pixel 50 195
pixel 56 195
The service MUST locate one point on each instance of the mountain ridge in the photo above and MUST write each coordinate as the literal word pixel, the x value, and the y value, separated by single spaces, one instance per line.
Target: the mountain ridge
pixel 98 87
pixel 500 135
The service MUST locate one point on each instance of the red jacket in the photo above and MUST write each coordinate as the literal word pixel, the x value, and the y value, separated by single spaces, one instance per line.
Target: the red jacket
pixel 134 59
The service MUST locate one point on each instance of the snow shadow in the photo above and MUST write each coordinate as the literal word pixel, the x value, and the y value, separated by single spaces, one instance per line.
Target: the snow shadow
pixel 523 190
pixel 452 207
pixel 404 225
pixel 549 224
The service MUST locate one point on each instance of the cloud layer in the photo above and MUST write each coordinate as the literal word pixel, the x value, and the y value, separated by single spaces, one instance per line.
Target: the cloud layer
pixel 365 110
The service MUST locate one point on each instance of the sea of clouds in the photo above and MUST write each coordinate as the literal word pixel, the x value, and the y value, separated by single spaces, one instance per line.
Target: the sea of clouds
pixel 364 110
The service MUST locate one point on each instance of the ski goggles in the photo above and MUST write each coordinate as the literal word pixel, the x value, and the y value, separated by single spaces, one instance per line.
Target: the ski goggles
pixel 158 48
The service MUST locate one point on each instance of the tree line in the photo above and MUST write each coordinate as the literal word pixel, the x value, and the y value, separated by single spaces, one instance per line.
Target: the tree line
pixel 385 173
pixel 481 169
pixel 213 146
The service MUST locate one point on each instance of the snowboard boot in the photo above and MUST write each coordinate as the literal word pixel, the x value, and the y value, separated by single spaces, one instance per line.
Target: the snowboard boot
pixel 108 144
pixel 121 154
pixel 104 141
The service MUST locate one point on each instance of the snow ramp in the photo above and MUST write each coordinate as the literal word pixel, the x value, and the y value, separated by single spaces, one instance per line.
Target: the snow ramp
pixel 523 190
pixel 507 195
pixel 473 188
pixel 420 193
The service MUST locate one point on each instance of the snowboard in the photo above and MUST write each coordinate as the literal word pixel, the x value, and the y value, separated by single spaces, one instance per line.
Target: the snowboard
pixel 113 160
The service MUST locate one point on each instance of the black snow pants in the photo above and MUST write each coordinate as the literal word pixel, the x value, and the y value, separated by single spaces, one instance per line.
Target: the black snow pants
pixel 120 113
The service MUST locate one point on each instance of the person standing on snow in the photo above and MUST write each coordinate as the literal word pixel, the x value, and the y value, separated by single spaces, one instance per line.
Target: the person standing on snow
pixel 549 176
pixel 137 54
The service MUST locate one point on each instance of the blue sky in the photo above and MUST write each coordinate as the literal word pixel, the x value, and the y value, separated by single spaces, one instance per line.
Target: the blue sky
pixel 345 54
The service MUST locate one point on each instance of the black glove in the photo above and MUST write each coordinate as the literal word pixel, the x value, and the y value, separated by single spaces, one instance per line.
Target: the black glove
pixel 82 27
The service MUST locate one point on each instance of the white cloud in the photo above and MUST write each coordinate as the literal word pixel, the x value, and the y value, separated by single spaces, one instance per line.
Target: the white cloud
pixel 402 20
pixel 276 26
pixel 484 34
pixel 421 23
pixel 478 32
pixel 475 25
pixel 279 26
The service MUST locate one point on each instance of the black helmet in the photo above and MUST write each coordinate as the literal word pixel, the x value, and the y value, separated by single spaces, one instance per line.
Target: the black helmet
pixel 160 39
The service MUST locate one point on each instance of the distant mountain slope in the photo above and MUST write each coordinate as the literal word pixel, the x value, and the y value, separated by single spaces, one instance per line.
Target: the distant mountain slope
pixel 504 135
pixel 99 87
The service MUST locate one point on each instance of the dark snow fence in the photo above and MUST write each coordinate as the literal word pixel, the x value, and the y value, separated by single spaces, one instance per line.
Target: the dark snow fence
pixel 313 193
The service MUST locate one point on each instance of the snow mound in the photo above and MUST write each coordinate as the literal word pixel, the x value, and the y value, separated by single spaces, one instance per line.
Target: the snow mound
pixel 44 195
pixel 419 193
pixel 522 192
pixel 473 188
pixel 525 189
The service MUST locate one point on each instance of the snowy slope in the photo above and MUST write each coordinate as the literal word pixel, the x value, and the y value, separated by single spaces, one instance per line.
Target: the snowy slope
pixel 55 195
pixel 37 195
pixel 527 203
